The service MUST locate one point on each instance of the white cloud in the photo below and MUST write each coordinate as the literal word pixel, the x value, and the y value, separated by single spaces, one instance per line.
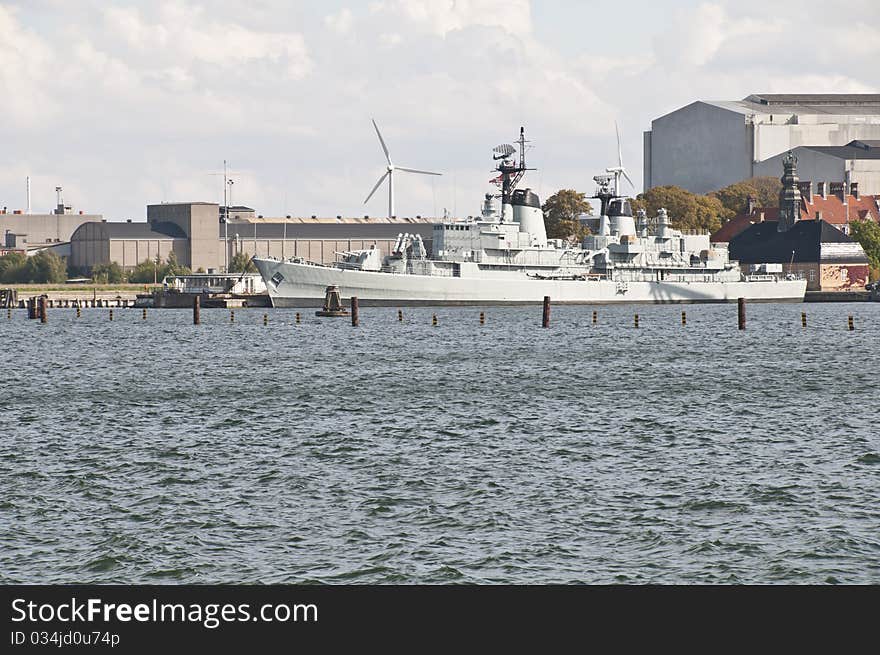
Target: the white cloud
pixel 443 16
pixel 341 22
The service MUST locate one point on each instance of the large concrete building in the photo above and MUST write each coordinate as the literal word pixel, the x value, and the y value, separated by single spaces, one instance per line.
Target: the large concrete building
pixel 202 240
pixel 24 231
pixel 709 144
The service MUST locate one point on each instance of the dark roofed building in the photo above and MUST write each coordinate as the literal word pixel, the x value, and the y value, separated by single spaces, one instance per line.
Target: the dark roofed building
pixel 829 259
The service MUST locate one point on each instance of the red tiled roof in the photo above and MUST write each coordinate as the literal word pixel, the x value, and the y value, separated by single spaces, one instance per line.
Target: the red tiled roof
pixel 742 221
pixel 832 208
pixel 834 211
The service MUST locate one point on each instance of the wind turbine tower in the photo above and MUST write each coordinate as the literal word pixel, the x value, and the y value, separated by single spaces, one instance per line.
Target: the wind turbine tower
pixel 389 173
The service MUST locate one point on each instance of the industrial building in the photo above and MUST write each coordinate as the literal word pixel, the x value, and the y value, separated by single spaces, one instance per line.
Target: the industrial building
pixel 708 145
pixel 24 231
pixel 202 239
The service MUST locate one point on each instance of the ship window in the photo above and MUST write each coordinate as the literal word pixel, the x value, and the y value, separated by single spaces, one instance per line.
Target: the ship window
pixel 277 279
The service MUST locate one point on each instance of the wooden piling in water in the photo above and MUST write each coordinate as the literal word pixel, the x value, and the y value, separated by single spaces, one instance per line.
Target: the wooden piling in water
pixel 545 317
pixel 111 314
pixel 43 305
pixel 297 318
pixel 144 314
pixel 265 319
pixel 636 321
pixel 741 313
pixel 595 317
pixel 434 320
pixel 684 320
pixel 400 316
pixel 232 316
pixel 197 310
pixel 78 311
pixel 482 318
pixel 850 323
pixel 355 318
pixel 803 319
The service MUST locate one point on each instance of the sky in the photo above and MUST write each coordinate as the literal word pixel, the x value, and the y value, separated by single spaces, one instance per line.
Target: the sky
pixel 134 102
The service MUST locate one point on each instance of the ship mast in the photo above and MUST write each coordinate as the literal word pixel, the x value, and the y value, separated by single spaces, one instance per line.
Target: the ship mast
pixel 511 170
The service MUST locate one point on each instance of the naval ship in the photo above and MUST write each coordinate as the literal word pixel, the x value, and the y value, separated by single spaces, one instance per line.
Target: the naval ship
pixel 504 257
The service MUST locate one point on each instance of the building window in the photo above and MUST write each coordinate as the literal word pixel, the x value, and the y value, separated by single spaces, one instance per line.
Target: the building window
pixel 844 274
pixel 812 276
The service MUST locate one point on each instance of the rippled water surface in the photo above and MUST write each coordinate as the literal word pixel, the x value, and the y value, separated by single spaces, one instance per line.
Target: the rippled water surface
pixel 158 451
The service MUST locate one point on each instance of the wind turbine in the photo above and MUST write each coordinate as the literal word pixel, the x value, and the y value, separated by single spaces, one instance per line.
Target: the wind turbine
pixel 389 173
pixel 619 170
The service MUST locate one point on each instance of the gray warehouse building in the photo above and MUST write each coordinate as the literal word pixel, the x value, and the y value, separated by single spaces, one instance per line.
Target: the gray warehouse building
pixel 708 145
pixel 201 238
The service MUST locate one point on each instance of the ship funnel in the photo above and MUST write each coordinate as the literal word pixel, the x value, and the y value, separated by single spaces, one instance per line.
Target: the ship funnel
pixel 527 212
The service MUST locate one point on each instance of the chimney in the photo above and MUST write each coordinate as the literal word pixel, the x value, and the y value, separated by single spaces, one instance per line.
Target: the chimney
pixel 821 189
pixel 854 190
pixel 750 206
pixel 807 190
pixel 837 189
pixel 818 216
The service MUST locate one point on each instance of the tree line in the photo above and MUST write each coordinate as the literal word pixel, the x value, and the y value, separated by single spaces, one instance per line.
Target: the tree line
pixel 48 268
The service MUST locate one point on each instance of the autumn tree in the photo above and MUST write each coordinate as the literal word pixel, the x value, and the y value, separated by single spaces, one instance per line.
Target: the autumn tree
pixel 687 211
pixel 561 212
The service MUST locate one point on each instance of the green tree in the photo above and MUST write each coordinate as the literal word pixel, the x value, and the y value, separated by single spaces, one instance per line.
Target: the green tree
pixel 146 272
pixel 111 273
pixel 735 198
pixel 154 270
pixel 241 262
pixel 560 215
pixel 687 211
pixel 12 267
pixel 45 267
pixel 867 233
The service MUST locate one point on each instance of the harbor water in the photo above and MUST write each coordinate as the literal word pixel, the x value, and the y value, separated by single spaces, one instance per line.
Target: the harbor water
pixel 157 451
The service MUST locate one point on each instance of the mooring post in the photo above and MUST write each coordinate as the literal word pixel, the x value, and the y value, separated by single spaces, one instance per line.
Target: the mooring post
pixel 144 316
pixel 197 310
pixel 803 319
pixel 434 320
pixel 595 317
pixel 297 318
pixel 636 321
pixel 265 319
pixel 111 314
pixel 850 322
pixel 78 311
pixel 482 318
pixel 545 318
pixel 741 312
pixel 400 316
pixel 232 316
pixel 355 319
pixel 43 304
pixel 684 319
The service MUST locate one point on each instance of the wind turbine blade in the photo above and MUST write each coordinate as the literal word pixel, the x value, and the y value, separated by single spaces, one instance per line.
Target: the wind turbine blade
pixel 382 141
pixel 414 170
pixel 381 179
pixel 619 151
pixel 627 178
